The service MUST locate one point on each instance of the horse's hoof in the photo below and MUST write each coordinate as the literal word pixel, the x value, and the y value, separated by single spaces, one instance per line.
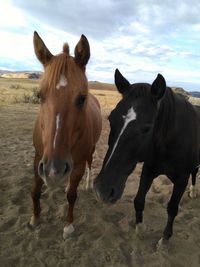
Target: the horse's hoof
pixel 33 223
pixel 140 229
pixel 68 230
pixel 162 244
pixel 193 192
pixel 30 226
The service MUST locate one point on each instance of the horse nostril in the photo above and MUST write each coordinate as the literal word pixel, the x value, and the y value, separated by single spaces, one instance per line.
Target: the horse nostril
pixel 41 168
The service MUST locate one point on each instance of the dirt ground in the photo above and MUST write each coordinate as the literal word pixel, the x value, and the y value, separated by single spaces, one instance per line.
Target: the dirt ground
pixel 104 234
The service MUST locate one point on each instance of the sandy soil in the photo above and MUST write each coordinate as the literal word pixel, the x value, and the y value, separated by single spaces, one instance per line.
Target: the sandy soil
pixel 105 234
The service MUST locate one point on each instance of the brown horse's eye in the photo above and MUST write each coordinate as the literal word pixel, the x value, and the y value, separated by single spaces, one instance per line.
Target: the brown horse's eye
pixel 80 100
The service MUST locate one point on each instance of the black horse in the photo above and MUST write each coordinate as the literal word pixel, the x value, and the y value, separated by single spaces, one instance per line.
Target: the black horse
pixel 150 124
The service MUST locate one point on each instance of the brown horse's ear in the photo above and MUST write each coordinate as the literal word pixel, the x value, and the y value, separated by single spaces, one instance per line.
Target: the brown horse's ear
pixel 82 51
pixel 42 52
pixel 158 87
pixel 121 83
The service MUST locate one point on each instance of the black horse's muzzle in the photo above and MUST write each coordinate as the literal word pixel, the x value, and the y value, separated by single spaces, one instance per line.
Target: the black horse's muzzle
pixel 105 192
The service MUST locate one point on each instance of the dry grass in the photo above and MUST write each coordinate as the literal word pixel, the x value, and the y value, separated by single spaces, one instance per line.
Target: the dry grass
pixel 16 90
pixel 25 91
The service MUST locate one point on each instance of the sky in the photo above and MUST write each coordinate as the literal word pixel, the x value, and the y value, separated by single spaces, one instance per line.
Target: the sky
pixel 139 37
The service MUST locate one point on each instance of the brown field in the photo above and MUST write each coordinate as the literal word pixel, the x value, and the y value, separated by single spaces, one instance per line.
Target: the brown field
pixel 104 234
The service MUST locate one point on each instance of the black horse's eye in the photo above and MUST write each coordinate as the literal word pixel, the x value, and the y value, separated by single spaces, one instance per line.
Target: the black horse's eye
pixel 80 100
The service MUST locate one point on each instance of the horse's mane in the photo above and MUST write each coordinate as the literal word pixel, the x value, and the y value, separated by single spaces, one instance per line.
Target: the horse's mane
pixel 164 124
pixel 169 123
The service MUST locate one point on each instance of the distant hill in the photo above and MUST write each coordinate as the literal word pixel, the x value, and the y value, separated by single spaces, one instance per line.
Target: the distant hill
pixel 108 86
pixel 101 86
pixel 195 94
pixel 181 91
pixel 4 71
pixel 20 74
pixel 92 84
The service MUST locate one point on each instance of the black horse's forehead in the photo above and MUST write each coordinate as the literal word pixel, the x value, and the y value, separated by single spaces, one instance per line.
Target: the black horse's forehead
pixel 138 93
pixel 139 90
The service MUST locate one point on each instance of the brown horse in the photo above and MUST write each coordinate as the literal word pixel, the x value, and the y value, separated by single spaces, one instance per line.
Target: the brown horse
pixel 68 125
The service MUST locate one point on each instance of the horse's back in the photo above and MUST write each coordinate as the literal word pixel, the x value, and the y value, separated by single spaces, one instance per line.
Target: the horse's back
pixel 190 132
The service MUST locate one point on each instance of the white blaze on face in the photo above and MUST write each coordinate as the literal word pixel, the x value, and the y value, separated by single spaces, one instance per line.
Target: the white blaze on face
pixel 62 82
pixel 130 116
pixel 57 127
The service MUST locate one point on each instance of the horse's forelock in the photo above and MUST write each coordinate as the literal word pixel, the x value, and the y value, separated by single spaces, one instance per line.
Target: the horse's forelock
pixel 53 71
pixel 66 49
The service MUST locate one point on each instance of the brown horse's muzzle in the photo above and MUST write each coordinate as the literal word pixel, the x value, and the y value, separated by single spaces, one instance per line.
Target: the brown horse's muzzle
pixel 54 172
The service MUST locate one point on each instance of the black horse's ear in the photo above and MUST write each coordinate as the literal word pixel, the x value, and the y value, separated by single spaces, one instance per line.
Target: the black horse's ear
pixel 82 51
pixel 121 83
pixel 42 52
pixel 158 87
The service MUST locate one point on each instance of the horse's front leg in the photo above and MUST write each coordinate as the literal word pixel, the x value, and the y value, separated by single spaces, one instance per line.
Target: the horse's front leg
pixel 36 193
pixel 75 178
pixel 172 208
pixel 193 191
pixel 146 180
pixel 89 183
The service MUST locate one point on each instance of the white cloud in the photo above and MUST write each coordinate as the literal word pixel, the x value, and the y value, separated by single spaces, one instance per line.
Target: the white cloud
pixel 141 38
pixel 11 15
